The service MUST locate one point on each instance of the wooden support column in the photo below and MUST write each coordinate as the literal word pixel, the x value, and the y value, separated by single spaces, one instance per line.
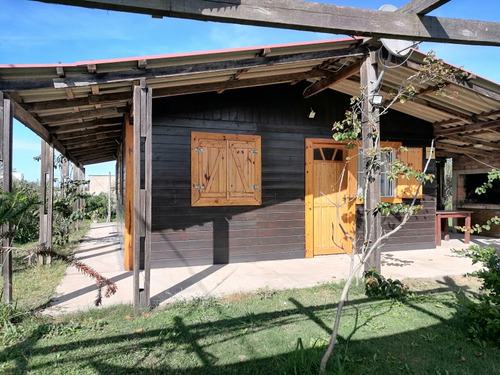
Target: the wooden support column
pixel 78 174
pixel 6 116
pixel 371 140
pixel 129 195
pixel 142 109
pixel 47 195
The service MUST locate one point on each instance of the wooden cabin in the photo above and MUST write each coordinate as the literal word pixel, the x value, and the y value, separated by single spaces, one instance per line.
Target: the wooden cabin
pixel 228 156
pixel 235 173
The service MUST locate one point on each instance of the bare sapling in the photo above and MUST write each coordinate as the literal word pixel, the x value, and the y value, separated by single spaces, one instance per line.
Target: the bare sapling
pixel 366 251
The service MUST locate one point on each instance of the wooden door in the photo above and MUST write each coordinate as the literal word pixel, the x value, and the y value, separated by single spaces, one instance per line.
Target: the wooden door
pixel 330 213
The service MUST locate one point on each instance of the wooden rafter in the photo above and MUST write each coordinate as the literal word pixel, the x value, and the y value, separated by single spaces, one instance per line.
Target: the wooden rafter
pixel 88 114
pixel 96 147
pixel 311 16
pixel 467 128
pixel 332 79
pixel 474 142
pixel 87 125
pixel 79 102
pixel 88 132
pixel 236 84
pixel 24 117
pixel 462 150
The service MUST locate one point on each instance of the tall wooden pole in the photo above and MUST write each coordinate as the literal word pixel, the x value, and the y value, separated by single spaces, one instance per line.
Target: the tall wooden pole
pixel 78 174
pixel 371 141
pixel 6 116
pixel 108 220
pixel 142 111
pixel 47 194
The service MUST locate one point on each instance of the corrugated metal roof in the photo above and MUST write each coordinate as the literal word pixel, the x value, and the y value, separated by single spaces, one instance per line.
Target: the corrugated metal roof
pixel 82 105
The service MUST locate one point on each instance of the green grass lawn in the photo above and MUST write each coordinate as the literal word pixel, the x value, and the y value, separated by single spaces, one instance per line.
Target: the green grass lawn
pixel 269 332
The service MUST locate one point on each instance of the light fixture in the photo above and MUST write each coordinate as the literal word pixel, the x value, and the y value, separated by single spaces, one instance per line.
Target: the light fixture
pixel 312 113
pixel 376 100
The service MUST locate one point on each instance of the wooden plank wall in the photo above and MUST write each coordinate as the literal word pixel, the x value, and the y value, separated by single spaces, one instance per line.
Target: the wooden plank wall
pixel 185 235
pixel 419 231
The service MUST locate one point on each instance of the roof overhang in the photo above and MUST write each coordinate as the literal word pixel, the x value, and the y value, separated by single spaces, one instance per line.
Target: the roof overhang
pixel 80 107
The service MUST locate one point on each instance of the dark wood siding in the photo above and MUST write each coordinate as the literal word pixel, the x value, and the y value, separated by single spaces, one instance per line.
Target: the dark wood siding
pixel 185 235
pixel 419 230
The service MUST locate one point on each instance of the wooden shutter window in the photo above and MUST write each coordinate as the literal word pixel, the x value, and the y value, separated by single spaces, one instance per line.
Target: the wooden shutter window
pixel 406 188
pixel 225 169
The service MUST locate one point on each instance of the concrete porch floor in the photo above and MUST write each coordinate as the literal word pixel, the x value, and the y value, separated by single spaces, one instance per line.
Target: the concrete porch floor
pixel 100 249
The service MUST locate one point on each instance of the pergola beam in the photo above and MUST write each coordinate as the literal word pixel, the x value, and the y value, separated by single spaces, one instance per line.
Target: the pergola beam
pixel 316 17
pixel 421 7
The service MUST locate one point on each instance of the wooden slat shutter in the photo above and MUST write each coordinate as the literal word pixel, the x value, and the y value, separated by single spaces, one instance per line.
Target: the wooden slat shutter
pixel 225 169
pixel 406 188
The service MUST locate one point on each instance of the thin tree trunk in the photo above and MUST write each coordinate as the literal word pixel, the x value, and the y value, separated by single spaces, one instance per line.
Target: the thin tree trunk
pixel 365 256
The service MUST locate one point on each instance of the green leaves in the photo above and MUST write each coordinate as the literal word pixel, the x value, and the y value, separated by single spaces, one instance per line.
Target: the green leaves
pixel 378 286
pixel 386 208
pixel 13 205
pixel 493 175
pixel 483 313
pixel 349 129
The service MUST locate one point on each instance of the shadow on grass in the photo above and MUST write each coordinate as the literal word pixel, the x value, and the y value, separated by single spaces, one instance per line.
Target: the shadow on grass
pixel 215 343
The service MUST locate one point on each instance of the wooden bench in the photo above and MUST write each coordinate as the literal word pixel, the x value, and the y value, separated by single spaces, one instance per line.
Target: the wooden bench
pixel 440 215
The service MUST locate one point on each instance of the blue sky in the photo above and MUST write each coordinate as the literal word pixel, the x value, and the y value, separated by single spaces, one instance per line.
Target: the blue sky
pixel 32 32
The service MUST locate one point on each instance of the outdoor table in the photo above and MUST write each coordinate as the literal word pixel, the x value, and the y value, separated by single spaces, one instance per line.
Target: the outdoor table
pixel 440 215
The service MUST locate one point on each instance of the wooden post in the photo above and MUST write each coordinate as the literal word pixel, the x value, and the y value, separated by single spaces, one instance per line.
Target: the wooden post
pixel 47 195
pixel 129 195
pixel 78 174
pixel 108 219
pixel 142 192
pixel 371 140
pixel 6 116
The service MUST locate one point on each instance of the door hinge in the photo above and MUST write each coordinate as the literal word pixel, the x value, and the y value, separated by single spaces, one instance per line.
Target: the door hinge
pixel 199 149
pixel 199 187
pixel 254 187
pixel 255 152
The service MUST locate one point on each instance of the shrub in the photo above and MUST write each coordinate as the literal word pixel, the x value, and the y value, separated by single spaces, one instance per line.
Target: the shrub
pixel 25 226
pixel 97 206
pixel 378 286
pixel 482 314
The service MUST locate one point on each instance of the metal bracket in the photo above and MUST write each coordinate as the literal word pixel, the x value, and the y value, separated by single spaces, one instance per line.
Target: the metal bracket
pixel 255 152
pixel 199 187
pixel 199 149
pixel 254 187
